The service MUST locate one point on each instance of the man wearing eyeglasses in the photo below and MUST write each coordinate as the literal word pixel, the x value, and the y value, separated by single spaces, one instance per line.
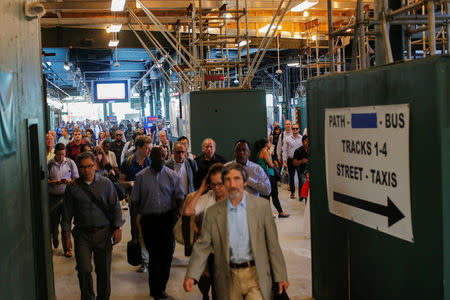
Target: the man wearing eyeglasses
pixel 92 202
pixel 186 168
pixel 117 145
pixel 292 143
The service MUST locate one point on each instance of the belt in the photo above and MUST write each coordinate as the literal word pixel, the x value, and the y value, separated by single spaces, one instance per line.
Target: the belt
pixel 244 265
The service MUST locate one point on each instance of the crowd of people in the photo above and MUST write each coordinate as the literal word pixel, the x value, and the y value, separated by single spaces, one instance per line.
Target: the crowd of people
pixel 97 169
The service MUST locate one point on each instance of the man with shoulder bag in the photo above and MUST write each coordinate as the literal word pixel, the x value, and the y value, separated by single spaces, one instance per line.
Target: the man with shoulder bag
pixel 92 202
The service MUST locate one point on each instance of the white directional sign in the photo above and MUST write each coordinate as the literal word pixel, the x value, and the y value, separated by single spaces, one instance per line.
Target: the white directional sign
pixel 367 167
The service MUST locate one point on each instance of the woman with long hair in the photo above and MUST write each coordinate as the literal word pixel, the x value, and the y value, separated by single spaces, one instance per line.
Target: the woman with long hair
pixel 101 138
pixel 104 168
pixel 274 140
pixel 263 159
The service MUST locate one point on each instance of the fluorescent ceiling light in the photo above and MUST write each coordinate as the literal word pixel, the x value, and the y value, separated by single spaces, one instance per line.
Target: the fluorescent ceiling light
pixel 228 16
pixel 117 5
pixel 138 5
pixel 243 43
pixel 66 66
pixel 296 65
pixel 114 28
pixel 304 6
pixel 314 37
pixel 113 43
pixel 265 28
pixel 49 63
pixel 306 14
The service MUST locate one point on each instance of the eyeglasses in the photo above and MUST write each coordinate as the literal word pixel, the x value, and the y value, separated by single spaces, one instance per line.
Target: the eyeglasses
pixel 180 152
pixel 295 128
pixel 86 167
pixel 118 135
pixel 216 185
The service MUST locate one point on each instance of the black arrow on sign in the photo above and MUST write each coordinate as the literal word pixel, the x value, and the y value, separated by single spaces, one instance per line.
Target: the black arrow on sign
pixel 390 211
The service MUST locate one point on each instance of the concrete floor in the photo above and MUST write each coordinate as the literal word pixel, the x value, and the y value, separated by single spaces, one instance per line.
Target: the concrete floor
pixel 128 284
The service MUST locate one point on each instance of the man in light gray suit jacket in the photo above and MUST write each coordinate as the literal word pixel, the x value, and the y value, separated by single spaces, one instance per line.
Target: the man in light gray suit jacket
pixel 242 234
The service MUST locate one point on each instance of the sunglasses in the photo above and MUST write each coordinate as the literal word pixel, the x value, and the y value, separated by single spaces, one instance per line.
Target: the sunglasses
pixel 85 167
pixel 295 128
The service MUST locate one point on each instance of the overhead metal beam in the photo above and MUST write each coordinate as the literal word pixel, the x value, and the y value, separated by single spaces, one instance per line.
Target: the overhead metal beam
pixel 106 5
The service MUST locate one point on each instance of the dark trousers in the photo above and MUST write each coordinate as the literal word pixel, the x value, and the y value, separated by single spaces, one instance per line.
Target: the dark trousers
pixel 301 177
pixel 56 212
pixel 157 231
pixel 206 279
pixel 97 242
pixel 274 194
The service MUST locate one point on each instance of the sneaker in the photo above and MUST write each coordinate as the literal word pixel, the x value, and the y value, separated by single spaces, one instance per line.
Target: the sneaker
pixel 125 206
pixel 143 268
pixel 292 196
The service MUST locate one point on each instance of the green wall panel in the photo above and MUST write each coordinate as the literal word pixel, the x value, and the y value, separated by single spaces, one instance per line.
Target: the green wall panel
pixel 25 254
pixel 350 259
pixel 225 116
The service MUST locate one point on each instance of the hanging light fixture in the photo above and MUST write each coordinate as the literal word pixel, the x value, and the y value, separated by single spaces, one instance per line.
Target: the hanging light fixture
pixel 138 5
pixel 306 14
pixel 278 71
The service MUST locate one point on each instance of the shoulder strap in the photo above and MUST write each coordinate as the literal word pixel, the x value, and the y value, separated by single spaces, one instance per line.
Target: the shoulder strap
pixel 191 164
pixel 71 164
pixel 102 206
pixel 50 165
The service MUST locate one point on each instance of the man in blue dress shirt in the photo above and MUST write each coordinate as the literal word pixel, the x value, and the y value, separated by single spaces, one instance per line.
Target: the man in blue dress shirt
pixel 242 234
pixel 157 195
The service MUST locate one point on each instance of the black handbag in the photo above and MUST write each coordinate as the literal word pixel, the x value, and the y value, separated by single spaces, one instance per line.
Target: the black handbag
pixel 276 295
pixel 134 257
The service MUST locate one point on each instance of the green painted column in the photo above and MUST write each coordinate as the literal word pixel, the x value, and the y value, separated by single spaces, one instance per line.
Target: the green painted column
pixel 150 101
pixel 110 109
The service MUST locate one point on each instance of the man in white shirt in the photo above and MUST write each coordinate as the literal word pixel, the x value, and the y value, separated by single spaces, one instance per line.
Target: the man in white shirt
pixel 282 140
pixel 291 144
pixel 186 168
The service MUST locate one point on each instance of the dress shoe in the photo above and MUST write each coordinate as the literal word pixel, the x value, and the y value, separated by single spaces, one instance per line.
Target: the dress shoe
pixel 55 243
pixel 163 295
pixel 283 215
pixel 292 196
pixel 68 253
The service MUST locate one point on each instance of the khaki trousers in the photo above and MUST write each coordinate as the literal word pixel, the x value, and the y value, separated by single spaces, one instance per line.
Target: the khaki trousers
pixel 244 284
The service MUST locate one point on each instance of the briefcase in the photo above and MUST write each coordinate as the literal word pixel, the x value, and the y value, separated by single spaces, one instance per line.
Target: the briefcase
pixel 134 253
pixel 276 295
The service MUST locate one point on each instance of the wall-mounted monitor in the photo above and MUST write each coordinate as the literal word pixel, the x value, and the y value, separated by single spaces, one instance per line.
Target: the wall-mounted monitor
pixel 114 91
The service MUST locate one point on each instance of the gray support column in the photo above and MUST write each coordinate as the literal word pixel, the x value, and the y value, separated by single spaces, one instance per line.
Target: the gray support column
pixel 158 104
pixel 105 111
pixel 110 109
pixel 151 101
pixel 167 100
pixel 141 99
